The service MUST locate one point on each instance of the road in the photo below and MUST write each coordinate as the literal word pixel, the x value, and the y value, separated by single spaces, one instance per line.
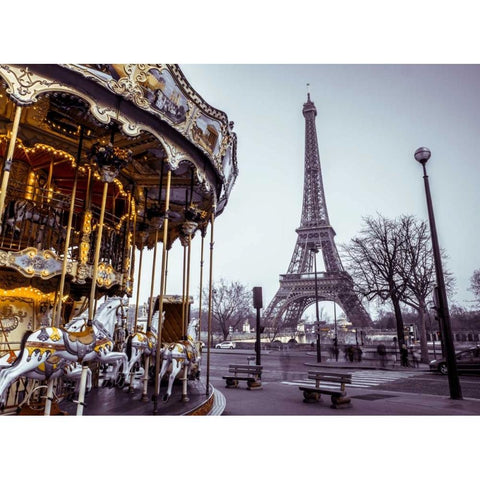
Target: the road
pixel 289 368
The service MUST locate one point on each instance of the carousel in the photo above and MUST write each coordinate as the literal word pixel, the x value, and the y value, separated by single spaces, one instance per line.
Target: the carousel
pixel 100 163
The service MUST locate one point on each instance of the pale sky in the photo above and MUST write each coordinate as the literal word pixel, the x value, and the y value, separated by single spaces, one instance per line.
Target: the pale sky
pixel 370 121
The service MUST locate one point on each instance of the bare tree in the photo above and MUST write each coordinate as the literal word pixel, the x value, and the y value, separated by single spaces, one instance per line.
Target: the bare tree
pixel 475 285
pixel 373 259
pixel 231 304
pixel 417 270
pixel 394 260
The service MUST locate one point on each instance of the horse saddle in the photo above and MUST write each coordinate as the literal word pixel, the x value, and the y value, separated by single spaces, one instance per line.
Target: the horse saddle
pixel 86 337
pixel 189 350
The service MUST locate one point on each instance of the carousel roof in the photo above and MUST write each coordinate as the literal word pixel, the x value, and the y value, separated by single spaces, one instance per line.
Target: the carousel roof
pixel 149 110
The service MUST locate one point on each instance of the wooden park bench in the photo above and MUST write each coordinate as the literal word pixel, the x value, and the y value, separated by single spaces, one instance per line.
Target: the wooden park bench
pixel 248 373
pixel 338 395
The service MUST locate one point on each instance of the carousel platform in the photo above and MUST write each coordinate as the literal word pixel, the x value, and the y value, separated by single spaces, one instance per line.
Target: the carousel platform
pixel 114 401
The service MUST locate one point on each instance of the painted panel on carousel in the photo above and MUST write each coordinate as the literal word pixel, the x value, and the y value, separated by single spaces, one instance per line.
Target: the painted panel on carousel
pixel 149 87
pixel 167 95
pixel 32 262
pixel 206 133
pixel 14 320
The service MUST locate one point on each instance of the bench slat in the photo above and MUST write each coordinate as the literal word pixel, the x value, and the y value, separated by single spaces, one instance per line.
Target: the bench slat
pixel 250 367
pixel 330 374
pixel 246 379
pixel 329 380
pixel 328 377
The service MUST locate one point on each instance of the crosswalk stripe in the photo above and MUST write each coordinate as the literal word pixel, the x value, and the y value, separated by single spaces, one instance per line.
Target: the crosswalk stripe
pixel 361 379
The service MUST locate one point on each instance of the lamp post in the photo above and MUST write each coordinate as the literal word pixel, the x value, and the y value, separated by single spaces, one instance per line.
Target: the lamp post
pixel 258 304
pixel 314 250
pixel 335 338
pixel 422 156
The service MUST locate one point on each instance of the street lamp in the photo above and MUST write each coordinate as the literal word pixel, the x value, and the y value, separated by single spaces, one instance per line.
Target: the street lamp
pixel 314 250
pixel 335 339
pixel 422 156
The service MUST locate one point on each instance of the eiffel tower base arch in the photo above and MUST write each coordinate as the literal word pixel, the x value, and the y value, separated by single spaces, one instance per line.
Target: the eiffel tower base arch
pixel 297 293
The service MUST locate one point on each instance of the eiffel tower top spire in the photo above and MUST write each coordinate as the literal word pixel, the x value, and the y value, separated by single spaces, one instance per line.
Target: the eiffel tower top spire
pixel 314 210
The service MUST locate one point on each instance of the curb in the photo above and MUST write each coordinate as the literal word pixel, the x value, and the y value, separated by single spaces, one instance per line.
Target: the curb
pixel 358 366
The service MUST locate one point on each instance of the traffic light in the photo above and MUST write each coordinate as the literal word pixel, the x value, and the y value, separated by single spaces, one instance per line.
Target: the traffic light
pixel 257 297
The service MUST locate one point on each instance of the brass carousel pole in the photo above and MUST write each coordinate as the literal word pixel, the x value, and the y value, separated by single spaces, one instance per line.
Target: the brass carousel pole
pixel 68 235
pixel 166 273
pixel 96 256
pixel 109 162
pixel 150 314
pixel 131 270
pixel 187 289
pixel 143 240
pixel 188 228
pixel 49 182
pixel 8 161
pixel 184 277
pixel 126 251
pixel 200 296
pixel 139 276
pixel 162 290
pixel 210 291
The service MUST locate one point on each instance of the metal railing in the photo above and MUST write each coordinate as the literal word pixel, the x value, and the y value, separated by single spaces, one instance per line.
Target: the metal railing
pixel 40 220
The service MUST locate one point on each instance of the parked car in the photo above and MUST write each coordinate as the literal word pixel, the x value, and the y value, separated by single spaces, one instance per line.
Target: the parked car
pixel 226 344
pixel 467 361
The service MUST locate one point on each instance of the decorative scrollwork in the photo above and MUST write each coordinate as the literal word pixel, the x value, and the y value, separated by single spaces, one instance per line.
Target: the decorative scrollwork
pixel 10 318
pixel 31 262
pixel 24 86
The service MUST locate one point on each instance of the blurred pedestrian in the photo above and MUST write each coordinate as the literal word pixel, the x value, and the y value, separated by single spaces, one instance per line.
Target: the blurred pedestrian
pixel 415 362
pixel 404 355
pixel 382 353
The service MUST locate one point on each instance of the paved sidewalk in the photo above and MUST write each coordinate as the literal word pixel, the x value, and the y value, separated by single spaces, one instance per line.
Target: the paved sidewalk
pixel 277 398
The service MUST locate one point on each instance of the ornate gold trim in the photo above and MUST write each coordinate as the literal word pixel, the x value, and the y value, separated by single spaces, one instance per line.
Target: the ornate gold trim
pixel 31 262
pixel 24 86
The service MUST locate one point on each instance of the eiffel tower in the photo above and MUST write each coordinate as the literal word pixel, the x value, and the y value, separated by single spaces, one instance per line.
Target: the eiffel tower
pixel 297 287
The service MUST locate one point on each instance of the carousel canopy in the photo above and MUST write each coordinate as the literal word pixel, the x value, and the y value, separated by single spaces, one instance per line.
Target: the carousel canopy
pixel 150 111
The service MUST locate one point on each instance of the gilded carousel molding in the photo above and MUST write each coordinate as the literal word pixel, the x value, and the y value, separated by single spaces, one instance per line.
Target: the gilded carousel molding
pixel 45 264
pixel 215 139
pixel 32 262
pixel 149 87
pixel 24 86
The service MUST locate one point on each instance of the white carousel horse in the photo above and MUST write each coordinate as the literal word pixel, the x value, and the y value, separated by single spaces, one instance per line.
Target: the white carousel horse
pixel 18 210
pixel 78 342
pixel 140 345
pixel 183 354
pixel 54 367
